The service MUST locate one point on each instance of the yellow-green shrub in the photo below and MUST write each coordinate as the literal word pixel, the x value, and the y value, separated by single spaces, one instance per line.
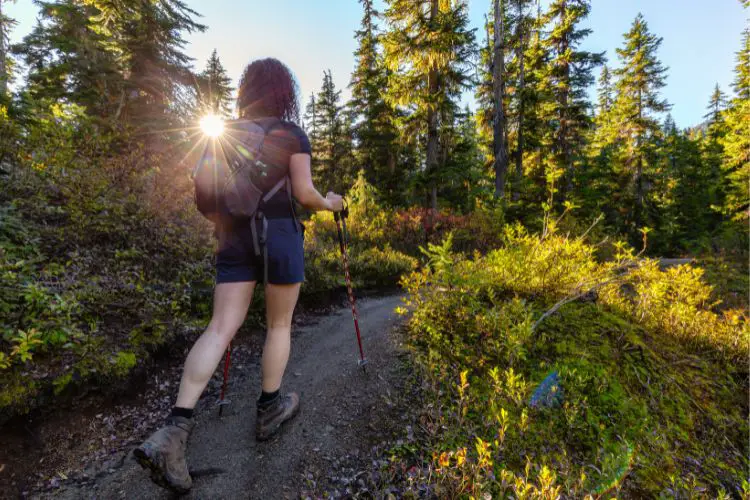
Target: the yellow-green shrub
pixel 643 413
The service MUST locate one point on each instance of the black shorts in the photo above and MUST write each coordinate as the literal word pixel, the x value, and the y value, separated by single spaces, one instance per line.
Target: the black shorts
pixel 236 261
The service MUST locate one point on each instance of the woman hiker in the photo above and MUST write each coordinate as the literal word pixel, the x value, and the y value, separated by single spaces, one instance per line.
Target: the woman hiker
pixel 267 94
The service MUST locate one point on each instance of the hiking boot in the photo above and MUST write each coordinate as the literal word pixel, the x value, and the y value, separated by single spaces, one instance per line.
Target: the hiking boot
pixel 276 413
pixel 164 454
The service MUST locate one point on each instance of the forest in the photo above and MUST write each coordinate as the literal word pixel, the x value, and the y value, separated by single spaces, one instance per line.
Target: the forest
pixel 530 235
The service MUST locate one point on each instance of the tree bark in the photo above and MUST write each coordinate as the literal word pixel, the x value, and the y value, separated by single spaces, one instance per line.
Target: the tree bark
pixel 3 50
pixel 432 121
pixel 563 139
pixel 521 86
pixel 500 136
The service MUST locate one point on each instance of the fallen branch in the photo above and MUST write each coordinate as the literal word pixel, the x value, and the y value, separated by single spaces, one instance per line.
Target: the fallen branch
pixel 626 267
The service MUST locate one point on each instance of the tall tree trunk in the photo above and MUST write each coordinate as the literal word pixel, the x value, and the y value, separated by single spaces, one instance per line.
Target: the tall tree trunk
pixel 521 102
pixel 500 136
pixel 432 120
pixel 3 50
pixel 563 140
pixel 639 195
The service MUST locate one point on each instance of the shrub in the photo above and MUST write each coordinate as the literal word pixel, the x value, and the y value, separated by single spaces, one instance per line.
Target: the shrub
pixel 643 412
pixel 372 260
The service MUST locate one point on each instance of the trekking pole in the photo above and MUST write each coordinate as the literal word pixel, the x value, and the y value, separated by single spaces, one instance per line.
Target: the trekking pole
pixel 227 362
pixel 340 218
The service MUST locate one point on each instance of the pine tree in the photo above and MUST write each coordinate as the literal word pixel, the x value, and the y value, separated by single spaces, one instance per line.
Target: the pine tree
pixel 330 141
pixel 214 87
pixel 717 104
pixel 427 48
pixel 605 92
pixel 571 75
pixel 523 24
pixel 68 59
pixel 742 69
pixel 309 120
pixel 537 119
pixel 6 25
pixel 600 189
pixel 491 89
pixel 462 161
pixel 712 150
pixel 639 79
pixel 148 39
pixel 686 190
pixel 736 140
pixel 373 128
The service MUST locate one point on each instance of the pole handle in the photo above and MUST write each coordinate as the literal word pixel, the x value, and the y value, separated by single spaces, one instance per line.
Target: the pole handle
pixel 343 214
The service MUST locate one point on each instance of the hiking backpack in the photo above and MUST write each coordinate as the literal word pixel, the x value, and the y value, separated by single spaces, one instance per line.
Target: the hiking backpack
pixel 231 173
pixel 233 179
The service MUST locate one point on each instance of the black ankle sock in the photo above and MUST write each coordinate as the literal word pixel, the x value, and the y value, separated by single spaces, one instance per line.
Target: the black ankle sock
pixel 267 397
pixel 182 412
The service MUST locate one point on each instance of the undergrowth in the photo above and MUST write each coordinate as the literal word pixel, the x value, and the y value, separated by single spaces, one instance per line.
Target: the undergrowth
pixel 104 258
pixel 651 398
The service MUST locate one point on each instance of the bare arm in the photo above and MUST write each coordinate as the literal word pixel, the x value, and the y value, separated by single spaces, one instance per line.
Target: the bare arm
pixel 303 189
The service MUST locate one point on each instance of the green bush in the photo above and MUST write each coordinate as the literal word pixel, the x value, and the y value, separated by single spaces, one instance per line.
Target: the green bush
pixel 372 260
pixel 104 258
pixel 653 400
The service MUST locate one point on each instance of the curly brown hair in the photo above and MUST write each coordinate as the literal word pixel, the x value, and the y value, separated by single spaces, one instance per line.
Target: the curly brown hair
pixel 268 88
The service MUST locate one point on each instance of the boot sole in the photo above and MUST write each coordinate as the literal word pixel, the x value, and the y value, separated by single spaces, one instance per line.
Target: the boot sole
pixel 277 429
pixel 152 464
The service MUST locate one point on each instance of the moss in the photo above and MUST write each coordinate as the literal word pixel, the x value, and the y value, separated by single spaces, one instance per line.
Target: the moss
pixel 16 393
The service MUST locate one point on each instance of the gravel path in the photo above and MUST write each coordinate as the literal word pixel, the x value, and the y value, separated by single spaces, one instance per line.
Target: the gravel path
pixel 340 410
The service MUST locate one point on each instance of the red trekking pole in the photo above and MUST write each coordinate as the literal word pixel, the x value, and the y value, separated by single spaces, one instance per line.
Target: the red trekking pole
pixel 340 218
pixel 227 362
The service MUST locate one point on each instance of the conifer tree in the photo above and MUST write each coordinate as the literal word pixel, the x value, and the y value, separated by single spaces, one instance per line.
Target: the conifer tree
pixel 600 190
pixel 571 75
pixel 68 59
pixel 605 92
pixel 742 69
pixel 427 47
pixel 148 39
pixel 712 151
pixel 685 190
pixel 462 161
pixel 523 24
pixel 717 104
pixel 373 127
pixel 491 89
pixel 637 106
pixel 537 99
pixel 214 87
pixel 330 138
pixel 309 119
pixel 736 140
pixel 6 24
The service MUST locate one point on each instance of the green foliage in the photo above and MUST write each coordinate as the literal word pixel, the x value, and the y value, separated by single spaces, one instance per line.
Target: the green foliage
pixel 330 138
pixel 93 247
pixel 372 260
pixel 652 377
pixel 570 75
pixel 374 129
pixel 214 86
pixel 427 49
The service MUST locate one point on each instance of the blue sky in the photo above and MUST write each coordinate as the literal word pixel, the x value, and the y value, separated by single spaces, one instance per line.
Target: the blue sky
pixel 700 39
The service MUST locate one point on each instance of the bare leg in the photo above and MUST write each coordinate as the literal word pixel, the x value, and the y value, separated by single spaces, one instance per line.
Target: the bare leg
pixel 231 301
pixel 280 302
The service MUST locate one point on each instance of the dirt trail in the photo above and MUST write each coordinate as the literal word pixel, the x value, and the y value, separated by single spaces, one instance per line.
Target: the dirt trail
pixel 340 410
